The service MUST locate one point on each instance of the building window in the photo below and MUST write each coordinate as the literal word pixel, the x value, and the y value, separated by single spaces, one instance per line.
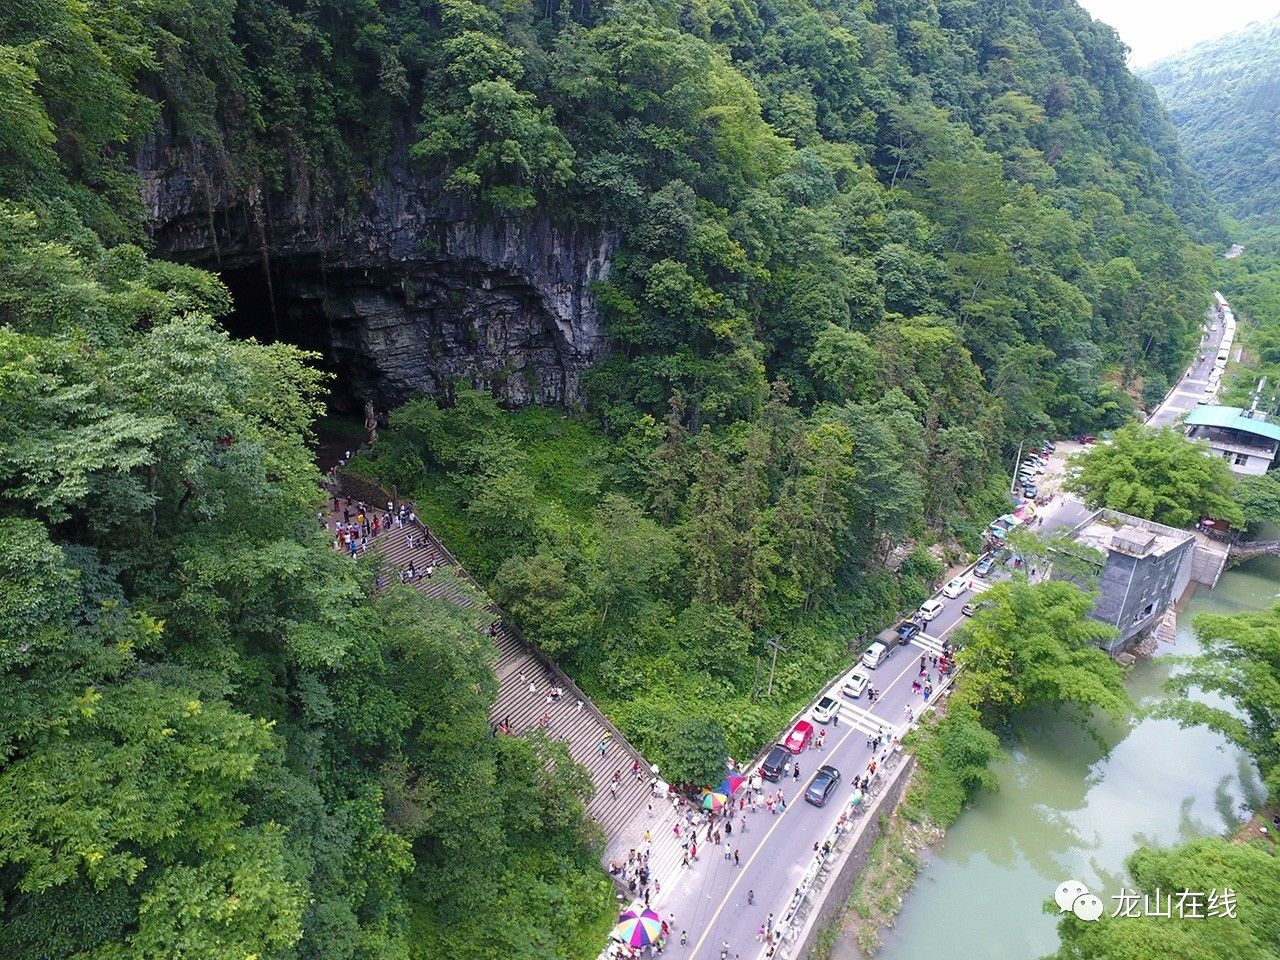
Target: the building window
pixel 1241 459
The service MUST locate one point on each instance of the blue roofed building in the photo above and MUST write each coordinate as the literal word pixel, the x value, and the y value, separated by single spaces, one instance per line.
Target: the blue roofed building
pixel 1244 438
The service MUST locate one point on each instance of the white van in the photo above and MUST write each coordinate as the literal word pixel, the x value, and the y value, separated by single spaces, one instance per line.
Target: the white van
pixel 930 609
pixel 875 655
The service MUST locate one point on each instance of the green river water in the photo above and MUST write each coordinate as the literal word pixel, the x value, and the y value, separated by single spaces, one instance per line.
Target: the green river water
pixel 1072 808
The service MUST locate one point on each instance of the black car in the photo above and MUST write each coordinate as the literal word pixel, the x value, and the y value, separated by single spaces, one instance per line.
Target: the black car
pixel 822 786
pixel 771 769
pixel 906 630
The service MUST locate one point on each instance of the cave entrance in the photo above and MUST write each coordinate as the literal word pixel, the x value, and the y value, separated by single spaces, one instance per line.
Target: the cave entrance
pixel 298 318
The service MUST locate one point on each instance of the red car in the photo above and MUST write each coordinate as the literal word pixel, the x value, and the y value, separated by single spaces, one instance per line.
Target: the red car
pixel 1086 439
pixel 799 737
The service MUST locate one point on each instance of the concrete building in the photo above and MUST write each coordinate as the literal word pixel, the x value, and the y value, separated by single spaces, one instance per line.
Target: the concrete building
pixel 1245 438
pixel 1147 568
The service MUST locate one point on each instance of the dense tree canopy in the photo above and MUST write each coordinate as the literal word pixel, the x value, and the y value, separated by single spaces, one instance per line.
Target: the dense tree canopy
pixel 863 250
pixel 1158 475
pixel 1221 96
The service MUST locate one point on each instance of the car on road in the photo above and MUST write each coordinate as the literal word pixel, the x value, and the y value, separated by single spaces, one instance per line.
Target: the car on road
pixel 876 654
pixel 822 785
pixel 930 609
pixel 856 683
pixel 775 763
pixel 907 629
pixel 825 709
pixel 799 737
pixel 968 610
pixel 987 564
pixel 955 588
pixel 1029 490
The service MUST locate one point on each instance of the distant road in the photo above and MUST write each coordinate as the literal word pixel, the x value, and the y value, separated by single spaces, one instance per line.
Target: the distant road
pixel 1182 399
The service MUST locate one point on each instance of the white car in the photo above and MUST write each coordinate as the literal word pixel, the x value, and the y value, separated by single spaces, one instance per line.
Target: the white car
pixel 930 609
pixel 856 684
pixel 825 709
pixel 954 588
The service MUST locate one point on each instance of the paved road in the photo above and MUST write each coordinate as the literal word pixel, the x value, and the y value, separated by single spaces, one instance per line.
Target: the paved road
pixel 710 901
pixel 1191 387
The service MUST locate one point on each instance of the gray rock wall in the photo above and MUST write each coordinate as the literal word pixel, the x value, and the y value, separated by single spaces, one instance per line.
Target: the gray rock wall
pixel 410 289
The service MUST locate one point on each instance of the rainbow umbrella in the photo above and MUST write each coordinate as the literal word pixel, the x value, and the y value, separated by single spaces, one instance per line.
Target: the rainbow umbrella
pixel 730 784
pixel 713 800
pixel 638 929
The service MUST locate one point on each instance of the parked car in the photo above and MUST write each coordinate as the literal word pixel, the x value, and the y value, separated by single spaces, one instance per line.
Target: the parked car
pixel 1049 447
pixel 875 655
pixel 955 587
pixel 930 609
pixel 986 565
pixel 825 709
pixel 799 737
pixel 1029 490
pixel 775 763
pixel 856 683
pixel 1086 439
pixel 968 610
pixel 822 785
pixel 907 629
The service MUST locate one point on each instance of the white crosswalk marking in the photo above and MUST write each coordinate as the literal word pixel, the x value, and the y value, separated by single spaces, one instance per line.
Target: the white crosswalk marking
pixel 864 720
pixel 981 586
pixel 926 642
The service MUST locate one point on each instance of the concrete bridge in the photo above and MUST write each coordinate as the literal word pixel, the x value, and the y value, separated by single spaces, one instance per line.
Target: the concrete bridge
pixel 1255 548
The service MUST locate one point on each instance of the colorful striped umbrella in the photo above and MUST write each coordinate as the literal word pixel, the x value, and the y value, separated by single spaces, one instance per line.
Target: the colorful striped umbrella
pixel 638 929
pixel 713 800
pixel 730 784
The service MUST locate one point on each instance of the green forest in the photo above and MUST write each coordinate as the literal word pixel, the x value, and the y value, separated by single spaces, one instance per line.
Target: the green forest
pixel 866 248
pixel 1221 95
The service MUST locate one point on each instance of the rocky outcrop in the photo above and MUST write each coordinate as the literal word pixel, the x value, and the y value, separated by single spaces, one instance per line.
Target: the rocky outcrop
pixel 406 290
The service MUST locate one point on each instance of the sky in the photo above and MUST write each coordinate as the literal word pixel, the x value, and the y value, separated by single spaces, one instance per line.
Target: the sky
pixel 1157 28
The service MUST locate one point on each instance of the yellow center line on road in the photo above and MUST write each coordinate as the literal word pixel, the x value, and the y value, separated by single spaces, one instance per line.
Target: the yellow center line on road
pixel 724 902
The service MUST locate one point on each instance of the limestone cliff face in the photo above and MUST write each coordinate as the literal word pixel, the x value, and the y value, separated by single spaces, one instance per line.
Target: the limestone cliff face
pixel 406 290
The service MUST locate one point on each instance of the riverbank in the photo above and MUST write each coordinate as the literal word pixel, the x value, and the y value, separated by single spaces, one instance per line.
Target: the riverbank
pixel 1070 803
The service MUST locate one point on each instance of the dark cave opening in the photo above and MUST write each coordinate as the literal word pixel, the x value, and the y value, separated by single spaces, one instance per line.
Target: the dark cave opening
pixel 291 309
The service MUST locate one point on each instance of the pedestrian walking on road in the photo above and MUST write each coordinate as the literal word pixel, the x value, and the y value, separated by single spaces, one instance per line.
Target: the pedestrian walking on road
pixel 743 825
pixel 835 719
pixel 728 851
pixel 728 827
pixel 736 861
pixel 795 769
pixel 907 711
pixel 684 938
pixel 684 862
pixel 751 897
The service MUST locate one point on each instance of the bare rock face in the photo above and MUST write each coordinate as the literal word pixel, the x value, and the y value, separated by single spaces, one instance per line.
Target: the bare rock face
pixel 407 290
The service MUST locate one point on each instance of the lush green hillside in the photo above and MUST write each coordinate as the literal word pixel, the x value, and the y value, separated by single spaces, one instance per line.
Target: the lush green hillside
pixel 865 248
pixel 1223 97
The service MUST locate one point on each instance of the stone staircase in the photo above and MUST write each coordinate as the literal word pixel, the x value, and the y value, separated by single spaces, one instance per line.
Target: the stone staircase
pixel 525 678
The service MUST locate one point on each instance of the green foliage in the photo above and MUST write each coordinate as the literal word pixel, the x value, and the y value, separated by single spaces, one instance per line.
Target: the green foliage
pixel 1207 864
pixel 1025 647
pixel 1218 95
pixel 211 733
pixel 1034 645
pixel 1240 662
pixel 1158 475
pixel 696 752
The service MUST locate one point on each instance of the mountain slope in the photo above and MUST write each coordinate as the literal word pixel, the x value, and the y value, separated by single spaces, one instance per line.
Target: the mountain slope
pixel 1224 98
